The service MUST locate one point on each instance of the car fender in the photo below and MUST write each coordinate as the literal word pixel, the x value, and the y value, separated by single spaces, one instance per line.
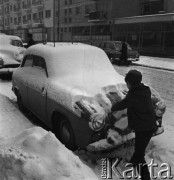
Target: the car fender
pixel 79 125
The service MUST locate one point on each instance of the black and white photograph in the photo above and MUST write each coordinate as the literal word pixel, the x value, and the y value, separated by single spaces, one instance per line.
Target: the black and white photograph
pixel 86 89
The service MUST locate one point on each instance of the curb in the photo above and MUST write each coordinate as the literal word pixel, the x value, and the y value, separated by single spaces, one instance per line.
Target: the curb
pixel 156 67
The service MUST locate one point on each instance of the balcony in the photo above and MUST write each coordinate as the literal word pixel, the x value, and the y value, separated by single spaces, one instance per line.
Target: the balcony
pixel 38 21
pixel 97 16
pixel 25 6
pixel 37 3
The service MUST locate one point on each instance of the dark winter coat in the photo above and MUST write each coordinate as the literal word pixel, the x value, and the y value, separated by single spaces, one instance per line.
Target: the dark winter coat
pixel 30 43
pixel 140 110
pixel 124 52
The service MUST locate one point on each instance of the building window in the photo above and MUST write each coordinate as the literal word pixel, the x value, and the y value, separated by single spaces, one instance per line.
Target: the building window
pixel 15 20
pixel 66 2
pixel 70 1
pixel 65 20
pixel 146 8
pixel 41 14
pixel 70 10
pixel 11 20
pixel 65 29
pixel 70 20
pixel 57 13
pixel 24 19
pixel 65 11
pixel 48 13
pixel 11 8
pixel 34 16
pixel 69 29
pixel 62 30
pixel 77 10
pixel 19 19
pixel 19 6
pixel 29 17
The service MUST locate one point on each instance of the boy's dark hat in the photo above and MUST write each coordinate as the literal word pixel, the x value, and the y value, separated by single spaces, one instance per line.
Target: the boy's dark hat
pixel 134 77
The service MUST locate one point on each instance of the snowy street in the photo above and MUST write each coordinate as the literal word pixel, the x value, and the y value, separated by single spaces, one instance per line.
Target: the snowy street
pixel 161 148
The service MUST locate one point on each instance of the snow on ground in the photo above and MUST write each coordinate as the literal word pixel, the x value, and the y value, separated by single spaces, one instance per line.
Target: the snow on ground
pixel 166 63
pixel 12 121
pixel 37 154
pixel 24 155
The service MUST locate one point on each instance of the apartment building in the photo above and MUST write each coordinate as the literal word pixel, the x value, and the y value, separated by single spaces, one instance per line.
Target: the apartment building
pixel 148 25
pixel 19 17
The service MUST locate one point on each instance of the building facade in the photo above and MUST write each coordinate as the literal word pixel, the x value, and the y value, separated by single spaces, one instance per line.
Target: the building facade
pixel 20 17
pixel 148 25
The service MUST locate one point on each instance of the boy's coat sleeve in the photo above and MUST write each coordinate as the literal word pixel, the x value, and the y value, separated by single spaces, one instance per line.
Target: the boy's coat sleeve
pixel 127 102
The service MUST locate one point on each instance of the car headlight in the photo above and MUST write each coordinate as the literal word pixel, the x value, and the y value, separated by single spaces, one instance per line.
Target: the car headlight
pixel 1 62
pixel 97 122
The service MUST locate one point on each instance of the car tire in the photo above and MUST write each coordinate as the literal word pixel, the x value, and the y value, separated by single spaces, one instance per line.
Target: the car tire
pixel 64 133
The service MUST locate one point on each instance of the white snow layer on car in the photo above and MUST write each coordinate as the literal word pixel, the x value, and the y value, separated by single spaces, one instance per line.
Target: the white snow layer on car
pixel 82 78
pixel 37 154
pixel 10 54
pixel 78 72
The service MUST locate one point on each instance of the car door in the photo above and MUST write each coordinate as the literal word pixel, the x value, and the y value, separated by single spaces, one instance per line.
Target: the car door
pixel 37 92
pixel 22 80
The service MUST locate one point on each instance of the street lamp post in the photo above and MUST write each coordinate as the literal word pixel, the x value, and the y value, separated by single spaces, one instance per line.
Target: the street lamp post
pixel 54 3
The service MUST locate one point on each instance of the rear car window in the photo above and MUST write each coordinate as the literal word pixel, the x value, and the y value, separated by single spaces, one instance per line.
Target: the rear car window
pixel 118 46
pixel 28 61
pixel 16 43
pixel 39 62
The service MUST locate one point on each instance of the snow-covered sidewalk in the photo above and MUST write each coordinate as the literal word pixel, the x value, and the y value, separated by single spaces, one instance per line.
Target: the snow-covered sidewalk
pixel 160 63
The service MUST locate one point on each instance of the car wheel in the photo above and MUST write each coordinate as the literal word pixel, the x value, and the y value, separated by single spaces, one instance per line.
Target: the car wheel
pixel 65 134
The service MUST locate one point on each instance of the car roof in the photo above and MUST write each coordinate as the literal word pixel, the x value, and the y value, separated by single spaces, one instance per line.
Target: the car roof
pixel 68 58
pixel 6 39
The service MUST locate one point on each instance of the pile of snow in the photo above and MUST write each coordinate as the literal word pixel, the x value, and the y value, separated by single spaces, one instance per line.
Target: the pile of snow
pixel 37 154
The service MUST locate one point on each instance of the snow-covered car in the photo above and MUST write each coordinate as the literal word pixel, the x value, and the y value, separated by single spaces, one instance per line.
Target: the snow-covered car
pixel 113 51
pixel 71 88
pixel 11 53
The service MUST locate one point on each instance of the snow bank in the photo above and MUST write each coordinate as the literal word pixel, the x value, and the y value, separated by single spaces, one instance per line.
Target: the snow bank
pixel 12 121
pixel 37 154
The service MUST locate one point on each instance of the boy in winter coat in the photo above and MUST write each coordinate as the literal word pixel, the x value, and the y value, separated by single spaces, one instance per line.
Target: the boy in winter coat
pixel 141 118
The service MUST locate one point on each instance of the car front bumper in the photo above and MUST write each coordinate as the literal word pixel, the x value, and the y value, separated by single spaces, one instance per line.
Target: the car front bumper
pixel 7 70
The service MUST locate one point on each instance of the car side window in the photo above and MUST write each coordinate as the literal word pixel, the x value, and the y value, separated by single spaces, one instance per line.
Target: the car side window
pixel 16 43
pixel 107 45
pixel 118 46
pixel 28 61
pixel 39 62
pixel 102 44
pixel 111 46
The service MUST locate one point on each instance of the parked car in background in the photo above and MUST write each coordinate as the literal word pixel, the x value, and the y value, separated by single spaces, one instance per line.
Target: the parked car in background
pixel 113 51
pixel 11 53
pixel 71 88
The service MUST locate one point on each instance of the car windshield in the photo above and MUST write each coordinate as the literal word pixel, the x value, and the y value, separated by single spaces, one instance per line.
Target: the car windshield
pixel 16 43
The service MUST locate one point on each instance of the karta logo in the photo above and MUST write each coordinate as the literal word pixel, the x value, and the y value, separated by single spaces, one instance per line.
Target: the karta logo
pixel 110 167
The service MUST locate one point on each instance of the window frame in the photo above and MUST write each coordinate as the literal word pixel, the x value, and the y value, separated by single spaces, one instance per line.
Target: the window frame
pixel 44 63
pixel 35 56
pixel 24 60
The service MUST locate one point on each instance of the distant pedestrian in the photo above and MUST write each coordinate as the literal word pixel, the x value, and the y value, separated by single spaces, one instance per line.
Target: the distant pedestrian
pixel 141 118
pixel 123 56
pixel 30 40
